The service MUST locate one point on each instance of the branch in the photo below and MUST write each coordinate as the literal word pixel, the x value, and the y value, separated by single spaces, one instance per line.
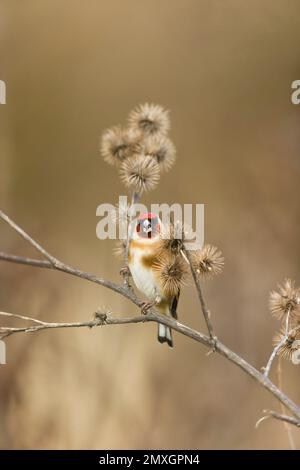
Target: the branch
pixel 126 272
pixel 277 348
pixel 267 369
pixel 209 341
pixel 184 330
pixel 287 427
pixel 73 271
pixel 25 235
pixel 281 417
pixel 205 311
pixel 100 320
pixel 21 317
pixel 54 263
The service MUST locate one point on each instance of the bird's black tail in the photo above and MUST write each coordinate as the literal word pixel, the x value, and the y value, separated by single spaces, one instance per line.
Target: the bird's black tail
pixel 165 335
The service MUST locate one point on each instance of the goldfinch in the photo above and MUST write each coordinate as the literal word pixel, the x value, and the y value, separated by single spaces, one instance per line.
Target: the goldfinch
pixel 152 268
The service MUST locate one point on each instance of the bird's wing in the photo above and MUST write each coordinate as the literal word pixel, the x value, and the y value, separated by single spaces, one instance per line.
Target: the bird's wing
pixel 174 303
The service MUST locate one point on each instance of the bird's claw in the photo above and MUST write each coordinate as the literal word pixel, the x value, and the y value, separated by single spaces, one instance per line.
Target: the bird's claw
pixel 125 271
pixel 145 306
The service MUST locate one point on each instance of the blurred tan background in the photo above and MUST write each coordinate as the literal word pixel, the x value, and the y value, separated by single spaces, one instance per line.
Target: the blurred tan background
pixel 74 68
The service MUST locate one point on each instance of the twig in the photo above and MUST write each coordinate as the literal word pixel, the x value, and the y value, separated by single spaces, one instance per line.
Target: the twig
pixel 281 417
pixel 209 341
pixel 134 200
pixel 263 418
pixel 287 426
pixel 277 348
pixel 205 311
pixel 25 235
pixel 21 317
pixel 71 270
pixel 196 336
pixel 267 369
pixel 100 320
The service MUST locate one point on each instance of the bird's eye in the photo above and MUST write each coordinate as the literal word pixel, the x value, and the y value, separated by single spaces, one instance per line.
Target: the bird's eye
pixel 147 225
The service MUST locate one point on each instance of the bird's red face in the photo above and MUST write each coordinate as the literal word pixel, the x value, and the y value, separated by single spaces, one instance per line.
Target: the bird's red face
pixel 148 226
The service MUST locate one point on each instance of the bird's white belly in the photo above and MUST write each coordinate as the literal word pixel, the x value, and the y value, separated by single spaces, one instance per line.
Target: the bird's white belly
pixel 144 279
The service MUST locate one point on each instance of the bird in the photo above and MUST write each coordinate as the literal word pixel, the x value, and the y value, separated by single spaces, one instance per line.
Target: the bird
pixel 145 253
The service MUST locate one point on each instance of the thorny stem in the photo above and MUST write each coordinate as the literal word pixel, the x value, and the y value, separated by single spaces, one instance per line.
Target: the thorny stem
pixel 282 407
pixel 277 348
pixel 287 322
pixel 134 200
pixel 205 311
pixel 23 234
pixel 281 417
pixel 209 341
pixel 100 320
pixel 267 369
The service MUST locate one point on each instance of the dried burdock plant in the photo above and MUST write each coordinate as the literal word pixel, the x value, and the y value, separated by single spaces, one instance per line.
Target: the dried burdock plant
pixel 140 174
pixel 117 144
pixel 171 273
pixel 288 348
pixel 284 304
pixel 173 237
pixel 150 119
pixel 101 315
pixel 161 149
pixel 286 300
pixel 207 262
pixel 172 245
pixel 170 241
pixel 171 264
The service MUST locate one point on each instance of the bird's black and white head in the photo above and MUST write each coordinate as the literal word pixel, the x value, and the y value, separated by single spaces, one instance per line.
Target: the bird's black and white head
pixel 147 227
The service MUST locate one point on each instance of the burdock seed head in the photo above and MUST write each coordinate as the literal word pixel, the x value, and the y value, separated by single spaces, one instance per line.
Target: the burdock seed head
pixel 207 262
pixel 289 346
pixel 140 173
pixel 161 149
pixel 286 300
pixel 118 144
pixel 150 119
pixel 172 237
pixel 171 273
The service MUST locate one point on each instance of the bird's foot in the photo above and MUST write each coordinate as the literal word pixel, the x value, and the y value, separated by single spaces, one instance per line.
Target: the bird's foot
pixel 145 306
pixel 125 271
